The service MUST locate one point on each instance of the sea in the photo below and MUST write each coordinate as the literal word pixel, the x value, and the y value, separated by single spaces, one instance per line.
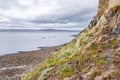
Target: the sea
pixel 14 41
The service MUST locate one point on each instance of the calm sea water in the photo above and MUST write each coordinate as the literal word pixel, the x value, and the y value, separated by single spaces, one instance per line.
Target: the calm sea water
pixel 11 42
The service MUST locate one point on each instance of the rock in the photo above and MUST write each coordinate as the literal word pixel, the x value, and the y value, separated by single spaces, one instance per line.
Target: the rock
pixel 98 78
pixel 74 77
pixel 102 38
pixel 93 23
pixel 117 50
pixel 116 29
pixel 118 42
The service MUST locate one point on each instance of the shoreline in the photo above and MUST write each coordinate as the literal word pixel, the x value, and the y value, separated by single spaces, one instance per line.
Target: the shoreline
pixel 14 66
pixel 38 49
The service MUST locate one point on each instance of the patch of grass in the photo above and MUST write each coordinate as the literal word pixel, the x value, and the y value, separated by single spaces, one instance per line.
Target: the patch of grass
pixel 85 70
pixel 102 46
pixel 117 73
pixel 67 71
pixel 75 56
pixel 95 74
pixel 61 57
pixel 43 75
pixel 97 58
pixel 100 62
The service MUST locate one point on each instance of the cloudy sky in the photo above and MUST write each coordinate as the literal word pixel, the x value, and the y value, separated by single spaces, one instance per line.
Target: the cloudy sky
pixel 46 14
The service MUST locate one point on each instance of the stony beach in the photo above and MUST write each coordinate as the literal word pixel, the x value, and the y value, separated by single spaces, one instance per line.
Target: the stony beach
pixel 15 66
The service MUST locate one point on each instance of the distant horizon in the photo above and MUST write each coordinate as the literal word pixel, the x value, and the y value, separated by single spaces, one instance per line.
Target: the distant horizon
pixel 49 30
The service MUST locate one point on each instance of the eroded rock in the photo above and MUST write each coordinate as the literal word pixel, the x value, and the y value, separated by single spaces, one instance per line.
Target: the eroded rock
pixel 116 29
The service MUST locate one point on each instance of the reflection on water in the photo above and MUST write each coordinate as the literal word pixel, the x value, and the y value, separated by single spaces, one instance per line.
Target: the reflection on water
pixel 11 42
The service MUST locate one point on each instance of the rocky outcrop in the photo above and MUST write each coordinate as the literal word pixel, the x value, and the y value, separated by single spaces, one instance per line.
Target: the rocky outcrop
pixel 116 29
pixel 113 3
pixel 103 5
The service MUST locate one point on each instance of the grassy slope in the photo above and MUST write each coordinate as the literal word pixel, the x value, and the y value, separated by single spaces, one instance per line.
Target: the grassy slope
pixel 88 49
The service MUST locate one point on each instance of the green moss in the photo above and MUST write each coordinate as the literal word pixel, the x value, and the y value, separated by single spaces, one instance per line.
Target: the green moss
pixel 113 43
pixel 119 36
pixel 95 74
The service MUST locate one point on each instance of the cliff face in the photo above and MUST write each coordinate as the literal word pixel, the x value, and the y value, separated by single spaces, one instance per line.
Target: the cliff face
pixel 105 4
pixel 93 55
pixel 113 3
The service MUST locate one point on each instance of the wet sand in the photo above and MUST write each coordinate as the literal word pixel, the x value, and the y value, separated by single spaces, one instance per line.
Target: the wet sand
pixel 15 66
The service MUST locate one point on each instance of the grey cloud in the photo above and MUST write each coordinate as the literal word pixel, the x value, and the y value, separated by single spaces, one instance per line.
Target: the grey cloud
pixel 43 12
pixel 78 17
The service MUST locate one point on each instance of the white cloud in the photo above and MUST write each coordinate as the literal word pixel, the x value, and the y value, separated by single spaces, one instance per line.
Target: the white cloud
pixel 44 11
pixel 26 2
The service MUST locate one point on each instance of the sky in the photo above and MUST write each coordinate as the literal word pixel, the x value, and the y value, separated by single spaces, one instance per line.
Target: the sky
pixel 47 14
